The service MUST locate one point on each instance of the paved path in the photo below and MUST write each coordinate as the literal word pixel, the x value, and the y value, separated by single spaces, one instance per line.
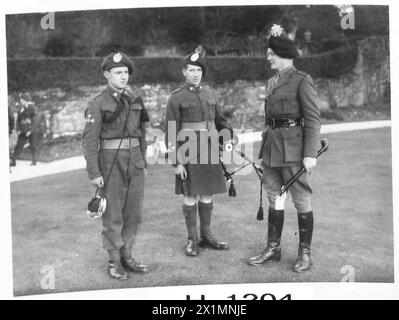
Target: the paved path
pixel 24 170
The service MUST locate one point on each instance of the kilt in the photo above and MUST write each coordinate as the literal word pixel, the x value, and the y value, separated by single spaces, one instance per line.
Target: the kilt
pixel 202 178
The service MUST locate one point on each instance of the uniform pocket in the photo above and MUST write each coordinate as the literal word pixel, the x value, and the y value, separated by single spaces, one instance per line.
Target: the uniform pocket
pixel 138 159
pixel 190 111
pixel 293 143
pixel 108 115
pixel 291 105
pixel 277 105
pixel 139 164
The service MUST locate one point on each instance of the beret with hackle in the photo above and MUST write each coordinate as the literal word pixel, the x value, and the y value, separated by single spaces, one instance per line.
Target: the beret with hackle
pixel 281 44
pixel 197 58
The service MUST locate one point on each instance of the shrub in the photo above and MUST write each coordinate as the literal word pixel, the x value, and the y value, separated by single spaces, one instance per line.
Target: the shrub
pixel 58 47
pixel 329 64
pixel 25 74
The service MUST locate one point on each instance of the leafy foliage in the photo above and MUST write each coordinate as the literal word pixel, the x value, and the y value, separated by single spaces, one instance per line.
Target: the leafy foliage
pixel 73 72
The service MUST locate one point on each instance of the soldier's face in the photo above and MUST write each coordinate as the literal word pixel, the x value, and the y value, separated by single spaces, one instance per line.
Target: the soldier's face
pixel 274 60
pixel 193 74
pixel 117 77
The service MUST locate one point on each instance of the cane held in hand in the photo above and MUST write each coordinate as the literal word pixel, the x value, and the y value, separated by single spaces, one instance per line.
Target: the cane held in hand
pixel 324 147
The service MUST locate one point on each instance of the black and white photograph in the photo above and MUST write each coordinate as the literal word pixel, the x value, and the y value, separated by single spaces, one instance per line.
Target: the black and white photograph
pixel 232 151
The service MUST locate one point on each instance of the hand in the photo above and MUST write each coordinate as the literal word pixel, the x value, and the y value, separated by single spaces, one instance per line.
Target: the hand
pixel 309 163
pixel 145 172
pixel 181 171
pixel 98 182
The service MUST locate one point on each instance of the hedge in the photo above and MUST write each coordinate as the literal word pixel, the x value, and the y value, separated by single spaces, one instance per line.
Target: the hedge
pixel 67 73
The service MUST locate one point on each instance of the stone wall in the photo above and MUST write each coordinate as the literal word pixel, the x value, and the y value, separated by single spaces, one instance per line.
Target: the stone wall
pixel 367 85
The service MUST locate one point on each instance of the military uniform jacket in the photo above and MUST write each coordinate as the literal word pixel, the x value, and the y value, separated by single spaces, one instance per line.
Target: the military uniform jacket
pixel 294 96
pixel 104 120
pixel 191 104
pixel 28 119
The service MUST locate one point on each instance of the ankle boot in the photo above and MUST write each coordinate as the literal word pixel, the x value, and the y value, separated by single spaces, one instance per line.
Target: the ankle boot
pixel 304 260
pixel 274 230
pixel 115 269
pixel 130 264
pixel 190 216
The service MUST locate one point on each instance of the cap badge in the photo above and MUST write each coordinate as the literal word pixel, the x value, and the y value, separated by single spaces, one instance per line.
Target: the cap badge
pixel 194 57
pixel 117 57
pixel 276 30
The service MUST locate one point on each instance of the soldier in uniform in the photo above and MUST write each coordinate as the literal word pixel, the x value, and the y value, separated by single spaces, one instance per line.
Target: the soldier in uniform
pixel 11 121
pixel 28 128
pixel 290 141
pixel 114 147
pixel 195 108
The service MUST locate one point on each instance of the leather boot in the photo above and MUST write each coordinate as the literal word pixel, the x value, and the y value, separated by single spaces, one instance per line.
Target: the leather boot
pixel 115 269
pixel 274 230
pixel 192 248
pixel 129 264
pixel 304 260
pixel 207 240
pixel 190 215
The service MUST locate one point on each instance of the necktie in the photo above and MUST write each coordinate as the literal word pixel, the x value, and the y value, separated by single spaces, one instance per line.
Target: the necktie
pixel 276 80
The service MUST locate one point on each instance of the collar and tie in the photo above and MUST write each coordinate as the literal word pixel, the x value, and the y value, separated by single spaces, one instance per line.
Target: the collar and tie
pixel 276 80
pixel 282 75
pixel 193 88
pixel 118 95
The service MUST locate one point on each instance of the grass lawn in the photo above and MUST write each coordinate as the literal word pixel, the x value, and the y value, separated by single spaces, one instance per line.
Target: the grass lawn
pixel 353 226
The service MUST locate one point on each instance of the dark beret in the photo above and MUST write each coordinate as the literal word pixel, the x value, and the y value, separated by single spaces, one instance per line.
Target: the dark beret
pixel 117 59
pixel 196 60
pixel 283 47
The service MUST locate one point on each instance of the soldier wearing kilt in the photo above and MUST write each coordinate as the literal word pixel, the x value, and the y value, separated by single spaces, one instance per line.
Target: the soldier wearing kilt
pixel 290 141
pixel 195 128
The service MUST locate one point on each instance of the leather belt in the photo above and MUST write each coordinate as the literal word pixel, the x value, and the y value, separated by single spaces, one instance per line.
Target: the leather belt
pixel 203 125
pixel 274 122
pixel 127 143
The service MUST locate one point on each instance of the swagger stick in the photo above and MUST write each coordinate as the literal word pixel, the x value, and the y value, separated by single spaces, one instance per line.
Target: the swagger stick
pixel 324 147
